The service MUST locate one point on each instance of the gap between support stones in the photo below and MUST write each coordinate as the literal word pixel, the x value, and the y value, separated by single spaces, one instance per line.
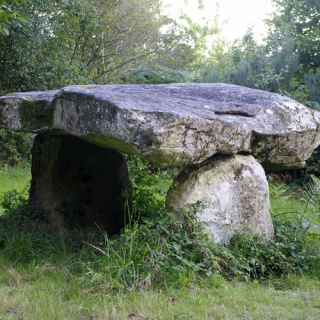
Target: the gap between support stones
pixel 76 184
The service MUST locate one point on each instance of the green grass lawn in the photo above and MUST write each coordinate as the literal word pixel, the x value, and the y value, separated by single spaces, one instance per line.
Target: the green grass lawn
pixel 14 179
pixel 56 288
pixel 49 293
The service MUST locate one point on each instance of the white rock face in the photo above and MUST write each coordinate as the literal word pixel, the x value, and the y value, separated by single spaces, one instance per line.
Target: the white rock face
pixel 230 196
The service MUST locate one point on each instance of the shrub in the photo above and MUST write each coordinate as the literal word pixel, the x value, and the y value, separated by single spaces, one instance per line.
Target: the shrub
pixel 15 148
pixel 14 202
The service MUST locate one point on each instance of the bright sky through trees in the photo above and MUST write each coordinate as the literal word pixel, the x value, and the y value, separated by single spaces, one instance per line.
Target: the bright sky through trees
pixel 235 16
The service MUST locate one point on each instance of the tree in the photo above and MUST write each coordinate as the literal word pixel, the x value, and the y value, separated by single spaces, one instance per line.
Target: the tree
pixel 299 20
pixel 244 62
pixel 78 41
pixel 8 15
pixel 294 47
pixel 289 60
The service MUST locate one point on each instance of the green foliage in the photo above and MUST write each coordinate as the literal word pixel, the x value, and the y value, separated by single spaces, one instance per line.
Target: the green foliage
pixel 312 199
pixel 15 148
pixel 150 186
pixel 66 42
pixel 300 19
pixel 8 15
pixel 14 202
pixel 285 255
pixel 288 62
pixel 16 178
pixel 293 46
pixel 244 63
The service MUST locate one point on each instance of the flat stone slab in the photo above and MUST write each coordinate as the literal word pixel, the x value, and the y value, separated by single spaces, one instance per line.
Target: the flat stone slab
pixel 29 111
pixel 182 124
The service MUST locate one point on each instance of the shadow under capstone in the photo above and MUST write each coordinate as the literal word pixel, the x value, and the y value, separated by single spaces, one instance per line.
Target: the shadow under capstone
pixel 77 185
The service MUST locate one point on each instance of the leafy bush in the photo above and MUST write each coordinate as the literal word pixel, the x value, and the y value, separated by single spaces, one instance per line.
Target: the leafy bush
pixel 15 148
pixel 285 255
pixel 14 202
pixel 150 187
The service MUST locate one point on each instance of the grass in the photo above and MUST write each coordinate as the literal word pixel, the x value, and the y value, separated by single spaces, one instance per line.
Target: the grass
pixel 49 293
pixel 58 283
pixel 14 178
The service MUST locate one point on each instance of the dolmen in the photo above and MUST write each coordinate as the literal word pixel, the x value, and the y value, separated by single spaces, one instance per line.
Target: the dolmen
pixel 221 137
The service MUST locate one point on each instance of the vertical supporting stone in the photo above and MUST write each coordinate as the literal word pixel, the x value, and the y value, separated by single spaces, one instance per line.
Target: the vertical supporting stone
pixel 229 194
pixel 76 184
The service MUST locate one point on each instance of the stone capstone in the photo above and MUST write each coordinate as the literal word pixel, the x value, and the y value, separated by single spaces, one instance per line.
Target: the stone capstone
pixel 229 195
pixel 179 124
pixel 29 111
pixel 76 184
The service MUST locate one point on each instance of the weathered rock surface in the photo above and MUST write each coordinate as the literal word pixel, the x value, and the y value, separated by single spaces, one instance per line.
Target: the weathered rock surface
pixel 178 125
pixel 27 111
pixel 183 124
pixel 229 195
pixel 76 184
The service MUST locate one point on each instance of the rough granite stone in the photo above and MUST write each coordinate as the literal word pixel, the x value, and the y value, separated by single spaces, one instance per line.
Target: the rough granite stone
pixel 229 195
pixel 29 111
pixel 174 125
pixel 177 125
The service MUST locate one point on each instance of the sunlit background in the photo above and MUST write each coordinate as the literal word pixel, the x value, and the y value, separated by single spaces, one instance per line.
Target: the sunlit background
pixel 235 16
